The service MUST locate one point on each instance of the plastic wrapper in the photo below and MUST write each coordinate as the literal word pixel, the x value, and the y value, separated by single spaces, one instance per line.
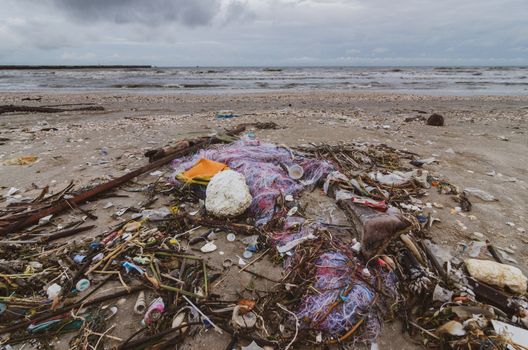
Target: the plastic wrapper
pixel 485 196
pixel 287 240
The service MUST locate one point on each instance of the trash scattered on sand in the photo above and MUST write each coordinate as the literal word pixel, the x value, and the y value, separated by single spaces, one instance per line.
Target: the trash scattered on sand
pixel 339 283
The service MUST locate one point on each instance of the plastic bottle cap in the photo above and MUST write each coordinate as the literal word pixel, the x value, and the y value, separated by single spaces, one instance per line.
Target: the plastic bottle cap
pixel 82 285
pixel 231 237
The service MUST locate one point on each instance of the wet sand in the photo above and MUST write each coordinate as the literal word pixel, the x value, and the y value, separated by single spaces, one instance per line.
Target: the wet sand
pixel 481 135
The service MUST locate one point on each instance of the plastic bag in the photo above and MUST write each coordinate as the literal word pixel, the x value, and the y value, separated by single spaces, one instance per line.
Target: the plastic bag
pixel 485 196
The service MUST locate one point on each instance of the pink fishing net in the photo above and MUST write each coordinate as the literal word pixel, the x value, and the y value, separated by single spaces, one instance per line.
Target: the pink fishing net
pixel 345 297
pixel 264 166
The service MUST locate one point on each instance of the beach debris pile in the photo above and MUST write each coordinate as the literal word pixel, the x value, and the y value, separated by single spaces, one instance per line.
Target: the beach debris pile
pixel 172 272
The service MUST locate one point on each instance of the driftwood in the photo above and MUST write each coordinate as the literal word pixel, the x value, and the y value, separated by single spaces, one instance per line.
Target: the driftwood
pixel 36 109
pixel 65 233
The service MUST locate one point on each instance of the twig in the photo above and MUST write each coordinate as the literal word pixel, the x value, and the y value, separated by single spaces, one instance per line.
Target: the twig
pixel 103 335
pixel 424 330
pixel 118 275
pixel 296 326
pixel 106 335
pixel 254 260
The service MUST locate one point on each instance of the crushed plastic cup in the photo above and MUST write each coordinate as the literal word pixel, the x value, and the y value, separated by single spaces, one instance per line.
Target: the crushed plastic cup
pixel 79 258
pixel 129 266
pixel 252 248
pixel 53 291
pixel 295 171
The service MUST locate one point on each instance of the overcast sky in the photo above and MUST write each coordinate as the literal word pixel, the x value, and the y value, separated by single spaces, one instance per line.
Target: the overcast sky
pixel 264 32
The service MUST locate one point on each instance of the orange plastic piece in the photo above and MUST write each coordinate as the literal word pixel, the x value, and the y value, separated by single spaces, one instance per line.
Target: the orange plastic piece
pixel 202 171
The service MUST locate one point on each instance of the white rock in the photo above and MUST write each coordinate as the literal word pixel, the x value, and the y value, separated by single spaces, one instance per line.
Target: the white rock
pixel 500 275
pixel 227 194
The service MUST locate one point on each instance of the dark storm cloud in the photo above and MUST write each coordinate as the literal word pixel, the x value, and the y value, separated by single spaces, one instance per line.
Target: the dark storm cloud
pixel 151 12
pixel 264 32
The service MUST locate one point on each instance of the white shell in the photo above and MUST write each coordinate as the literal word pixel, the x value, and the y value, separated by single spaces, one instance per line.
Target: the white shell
pixel 178 319
pixel 453 328
pixel 292 211
pixel 208 247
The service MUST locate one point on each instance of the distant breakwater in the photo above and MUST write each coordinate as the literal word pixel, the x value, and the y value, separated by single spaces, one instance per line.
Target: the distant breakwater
pixel 26 67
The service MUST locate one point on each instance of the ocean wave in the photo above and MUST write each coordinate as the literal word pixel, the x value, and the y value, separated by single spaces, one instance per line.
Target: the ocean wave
pixel 164 86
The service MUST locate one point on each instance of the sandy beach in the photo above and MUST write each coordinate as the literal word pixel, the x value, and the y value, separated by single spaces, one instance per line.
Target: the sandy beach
pixel 484 145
